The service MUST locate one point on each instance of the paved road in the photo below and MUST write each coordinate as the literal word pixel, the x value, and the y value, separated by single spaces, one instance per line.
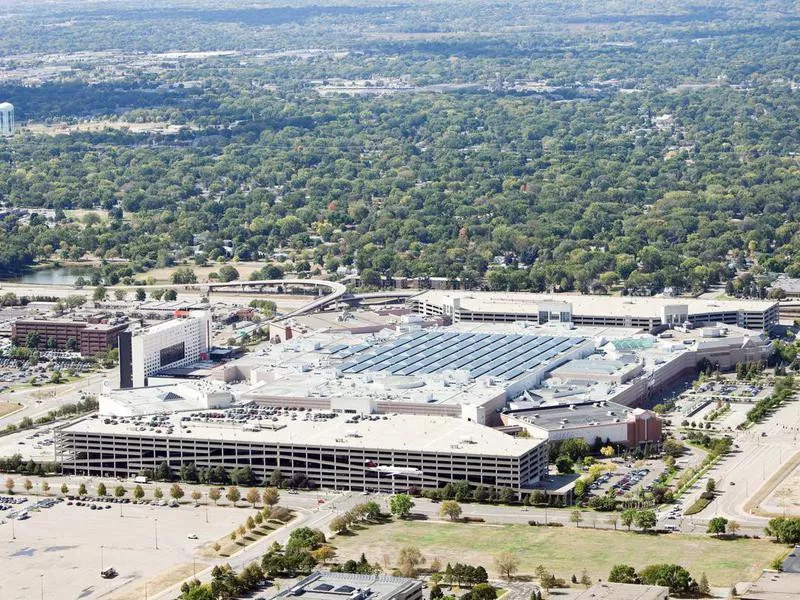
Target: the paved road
pixel 65 393
pixel 763 449
pixel 317 518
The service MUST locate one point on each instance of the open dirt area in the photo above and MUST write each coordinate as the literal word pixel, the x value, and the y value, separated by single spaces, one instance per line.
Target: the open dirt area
pixel 245 269
pixel 100 125
pixel 564 551
pixel 8 407
pixel 784 498
pixel 61 549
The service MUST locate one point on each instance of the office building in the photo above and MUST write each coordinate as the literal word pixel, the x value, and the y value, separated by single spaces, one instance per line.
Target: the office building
pixel 7 124
pixel 338 586
pixel 57 334
pixel 175 343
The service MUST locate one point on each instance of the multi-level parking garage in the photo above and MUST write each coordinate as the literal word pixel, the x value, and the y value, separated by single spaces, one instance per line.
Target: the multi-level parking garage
pixel 337 451
pixel 606 311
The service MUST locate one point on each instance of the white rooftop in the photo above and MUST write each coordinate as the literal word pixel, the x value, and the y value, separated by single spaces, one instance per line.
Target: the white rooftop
pixel 184 396
pixel 323 365
pixel 394 432
pixel 613 306
pixel 170 323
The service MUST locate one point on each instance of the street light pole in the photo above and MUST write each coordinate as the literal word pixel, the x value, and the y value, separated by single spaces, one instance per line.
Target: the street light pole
pixel 101 559
pixel 155 523
pixel 41 581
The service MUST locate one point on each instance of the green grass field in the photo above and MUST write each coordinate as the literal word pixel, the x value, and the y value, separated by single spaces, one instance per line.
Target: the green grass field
pixel 565 551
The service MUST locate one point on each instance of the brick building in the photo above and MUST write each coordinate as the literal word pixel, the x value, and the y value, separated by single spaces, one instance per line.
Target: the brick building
pixel 90 338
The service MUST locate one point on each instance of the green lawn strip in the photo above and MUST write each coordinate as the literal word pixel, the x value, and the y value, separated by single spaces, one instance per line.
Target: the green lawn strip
pixel 563 552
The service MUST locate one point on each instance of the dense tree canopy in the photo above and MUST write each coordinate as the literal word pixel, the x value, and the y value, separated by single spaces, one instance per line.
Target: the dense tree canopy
pixel 631 152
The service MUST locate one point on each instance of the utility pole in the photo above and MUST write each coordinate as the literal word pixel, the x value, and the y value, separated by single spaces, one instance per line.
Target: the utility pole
pixel 155 523
pixel 101 559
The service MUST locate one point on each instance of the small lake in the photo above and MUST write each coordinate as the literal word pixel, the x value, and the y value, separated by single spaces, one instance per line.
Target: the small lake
pixel 54 276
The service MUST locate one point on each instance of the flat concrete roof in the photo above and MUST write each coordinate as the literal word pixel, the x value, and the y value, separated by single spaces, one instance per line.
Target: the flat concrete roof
pixel 159 398
pixel 624 591
pixel 774 586
pixel 584 305
pixel 579 414
pixel 337 586
pixel 386 432
pixel 592 367
pixel 86 325
pixel 348 319
pixel 170 323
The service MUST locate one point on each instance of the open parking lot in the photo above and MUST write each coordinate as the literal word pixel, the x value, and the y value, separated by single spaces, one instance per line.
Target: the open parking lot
pixel 627 477
pixel 36 443
pixel 61 549
pixel 15 371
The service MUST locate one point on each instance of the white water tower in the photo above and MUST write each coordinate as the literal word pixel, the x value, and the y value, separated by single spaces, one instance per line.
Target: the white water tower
pixel 6 118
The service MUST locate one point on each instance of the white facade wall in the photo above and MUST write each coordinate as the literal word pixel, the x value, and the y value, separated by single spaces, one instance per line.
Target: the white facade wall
pixel 616 432
pixel 193 331
pixel 7 123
